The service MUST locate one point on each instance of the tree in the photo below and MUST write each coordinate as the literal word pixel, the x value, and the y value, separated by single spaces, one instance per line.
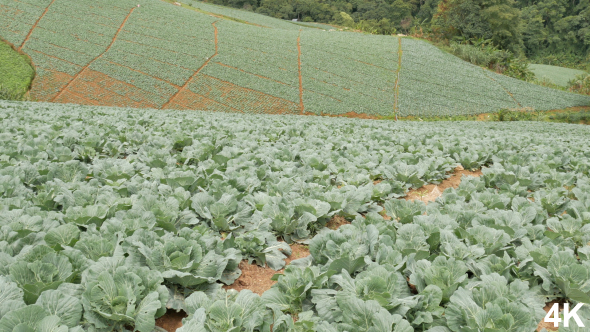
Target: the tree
pixel 497 20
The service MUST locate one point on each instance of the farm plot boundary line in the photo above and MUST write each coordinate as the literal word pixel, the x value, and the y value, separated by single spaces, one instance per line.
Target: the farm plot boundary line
pixel 247 89
pixel 54 57
pixel 396 86
pixel 256 75
pixel 213 101
pixel 35 25
pixel 301 106
pixel 98 57
pixel 198 70
pixel 143 73
pixel 253 74
pixel 508 92
pixel 85 99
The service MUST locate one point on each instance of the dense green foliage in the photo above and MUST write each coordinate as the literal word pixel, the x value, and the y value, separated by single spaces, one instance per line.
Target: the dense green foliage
pixel 580 84
pixel 572 117
pixel 109 216
pixel 16 73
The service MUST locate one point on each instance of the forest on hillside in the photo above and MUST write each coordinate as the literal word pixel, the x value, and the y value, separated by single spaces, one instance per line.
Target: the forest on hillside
pixel 544 31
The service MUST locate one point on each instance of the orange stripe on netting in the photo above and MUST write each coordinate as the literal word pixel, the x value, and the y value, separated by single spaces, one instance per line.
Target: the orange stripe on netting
pixel 98 57
pixel 399 67
pixel 196 72
pixel 35 25
pixel 301 106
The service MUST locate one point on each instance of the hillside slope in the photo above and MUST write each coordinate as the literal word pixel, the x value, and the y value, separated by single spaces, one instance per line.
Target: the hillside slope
pixel 159 55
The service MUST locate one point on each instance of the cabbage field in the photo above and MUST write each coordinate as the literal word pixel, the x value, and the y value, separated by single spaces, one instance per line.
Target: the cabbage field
pixel 111 216
pixel 200 56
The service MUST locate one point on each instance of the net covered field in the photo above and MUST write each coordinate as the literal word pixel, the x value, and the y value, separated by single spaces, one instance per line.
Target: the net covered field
pixel 111 216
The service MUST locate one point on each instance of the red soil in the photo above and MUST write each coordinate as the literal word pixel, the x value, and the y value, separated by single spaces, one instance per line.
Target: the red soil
pixel 48 83
pixel 550 326
pixel 171 321
pixel 188 100
pixel 430 192
pixel 336 222
pixel 101 89
pixel 240 98
pixel 257 278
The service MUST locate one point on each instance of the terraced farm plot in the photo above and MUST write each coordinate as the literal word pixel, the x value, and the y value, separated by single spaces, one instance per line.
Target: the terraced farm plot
pixel 152 53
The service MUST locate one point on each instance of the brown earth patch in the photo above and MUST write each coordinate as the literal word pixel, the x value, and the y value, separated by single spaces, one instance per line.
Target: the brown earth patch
pixel 257 278
pixel 188 100
pixel 240 98
pixel 171 321
pixel 101 89
pixel 430 192
pixel 48 83
pixel 336 222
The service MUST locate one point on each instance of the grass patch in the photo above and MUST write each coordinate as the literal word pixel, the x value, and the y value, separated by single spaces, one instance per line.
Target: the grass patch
pixel 576 115
pixel 16 73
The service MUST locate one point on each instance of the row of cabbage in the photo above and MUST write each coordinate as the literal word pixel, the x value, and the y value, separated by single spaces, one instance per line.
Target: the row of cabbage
pixel 109 217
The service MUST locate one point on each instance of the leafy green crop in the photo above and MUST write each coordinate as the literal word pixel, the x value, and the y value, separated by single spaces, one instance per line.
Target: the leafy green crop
pixel 109 217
